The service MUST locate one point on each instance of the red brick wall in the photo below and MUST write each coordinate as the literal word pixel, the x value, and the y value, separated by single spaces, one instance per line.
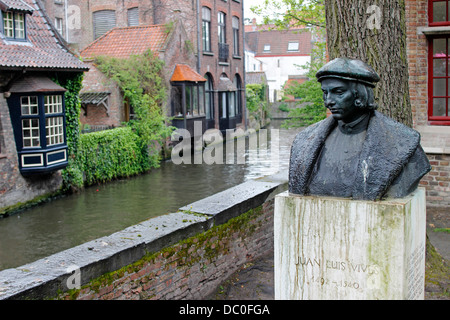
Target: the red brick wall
pixel 417 48
pixel 190 269
pixel 96 81
pixel 210 63
pixel 437 181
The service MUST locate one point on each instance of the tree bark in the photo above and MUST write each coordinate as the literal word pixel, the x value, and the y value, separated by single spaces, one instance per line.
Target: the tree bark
pixel 374 32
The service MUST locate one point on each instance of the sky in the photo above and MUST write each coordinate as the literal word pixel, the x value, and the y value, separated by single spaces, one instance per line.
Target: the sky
pixel 247 11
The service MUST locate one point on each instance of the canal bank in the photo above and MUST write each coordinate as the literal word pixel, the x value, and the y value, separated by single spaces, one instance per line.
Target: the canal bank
pixel 38 236
pixel 182 255
pixel 101 210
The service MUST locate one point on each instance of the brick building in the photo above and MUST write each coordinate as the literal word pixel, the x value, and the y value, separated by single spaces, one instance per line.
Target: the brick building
pixel 101 99
pixel 214 29
pixel 428 36
pixel 33 142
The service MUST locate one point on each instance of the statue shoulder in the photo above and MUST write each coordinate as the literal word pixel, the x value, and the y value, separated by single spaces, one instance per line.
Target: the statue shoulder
pixel 389 126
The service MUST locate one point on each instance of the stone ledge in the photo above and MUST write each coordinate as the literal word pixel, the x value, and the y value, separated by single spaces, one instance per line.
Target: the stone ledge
pixel 46 277
pixel 234 201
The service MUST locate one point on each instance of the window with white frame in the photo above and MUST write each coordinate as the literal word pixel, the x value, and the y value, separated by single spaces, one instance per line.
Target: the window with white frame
pixel 30 126
pixel 30 130
pixel 267 47
pixel 59 25
pixel 53 104
pixel 293 46
pixel 54 126
pixel 14 25
pixel 235 25
pixel 206 28
pixel 221 17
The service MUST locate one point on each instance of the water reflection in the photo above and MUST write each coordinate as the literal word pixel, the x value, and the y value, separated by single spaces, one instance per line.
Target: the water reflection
pixel 105 209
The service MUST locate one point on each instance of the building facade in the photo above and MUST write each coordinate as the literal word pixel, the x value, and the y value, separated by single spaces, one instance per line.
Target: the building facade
pixel 33 141
pixel 428 36
pixel 214 30
pixel 281 54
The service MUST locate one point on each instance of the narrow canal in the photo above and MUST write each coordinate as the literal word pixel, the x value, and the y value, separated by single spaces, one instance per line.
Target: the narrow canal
pixel 102 210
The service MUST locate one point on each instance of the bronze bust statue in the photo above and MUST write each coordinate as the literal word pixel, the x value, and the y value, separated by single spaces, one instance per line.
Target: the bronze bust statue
pixel 358 152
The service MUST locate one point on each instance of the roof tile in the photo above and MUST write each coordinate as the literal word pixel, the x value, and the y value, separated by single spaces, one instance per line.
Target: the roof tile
pixel 42 50
pixel 122 42
pixel 183 72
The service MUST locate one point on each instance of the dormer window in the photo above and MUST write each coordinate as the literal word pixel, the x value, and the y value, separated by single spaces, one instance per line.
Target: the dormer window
pixel 14 25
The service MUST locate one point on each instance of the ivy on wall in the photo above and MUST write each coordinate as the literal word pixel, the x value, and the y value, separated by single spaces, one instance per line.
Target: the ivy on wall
pixel 109 154
pixel 102 156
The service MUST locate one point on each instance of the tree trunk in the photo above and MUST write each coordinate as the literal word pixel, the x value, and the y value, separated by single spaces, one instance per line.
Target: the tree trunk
pixel 374 32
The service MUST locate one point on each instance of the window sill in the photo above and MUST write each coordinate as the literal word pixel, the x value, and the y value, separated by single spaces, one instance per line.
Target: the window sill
pixel 435 137
pixel 188 117
pixel 2 155
pixel 226 64
pixel 208 53
pixel 431 31
pixel 237 57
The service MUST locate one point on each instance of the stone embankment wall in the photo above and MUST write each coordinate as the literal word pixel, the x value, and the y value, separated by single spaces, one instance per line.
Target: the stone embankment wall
pixel 182 255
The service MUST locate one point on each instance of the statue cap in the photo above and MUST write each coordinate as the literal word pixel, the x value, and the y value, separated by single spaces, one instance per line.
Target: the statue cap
pixel 348 69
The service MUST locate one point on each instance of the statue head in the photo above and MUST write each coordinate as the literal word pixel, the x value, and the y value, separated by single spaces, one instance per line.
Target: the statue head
pixel 348 88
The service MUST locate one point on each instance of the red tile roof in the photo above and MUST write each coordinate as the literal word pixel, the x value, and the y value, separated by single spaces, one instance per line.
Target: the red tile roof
pixel 42 50
pixel 18 5
pixel 126 41
pixel 185 73
pixel 278 41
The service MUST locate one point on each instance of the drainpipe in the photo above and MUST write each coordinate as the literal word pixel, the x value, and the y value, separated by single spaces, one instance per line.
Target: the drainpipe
pixel 244 109
pixel 67 24
pixel 198 37
pixel 183 104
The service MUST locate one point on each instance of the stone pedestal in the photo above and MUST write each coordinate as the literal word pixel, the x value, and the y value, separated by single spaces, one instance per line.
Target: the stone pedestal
pixel 333 248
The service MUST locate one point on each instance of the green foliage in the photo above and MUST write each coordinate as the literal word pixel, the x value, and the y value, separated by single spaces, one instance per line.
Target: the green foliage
pixel 73 86
pixel 141 81
pixel 72 175
pixel 102 156
pixel 287 13
pixel 256 99
pixel 283 107
pixel 110 154
pixel 311 109
pixel 129 150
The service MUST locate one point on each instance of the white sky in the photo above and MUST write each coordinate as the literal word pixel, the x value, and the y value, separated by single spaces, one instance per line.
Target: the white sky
pixel 247 11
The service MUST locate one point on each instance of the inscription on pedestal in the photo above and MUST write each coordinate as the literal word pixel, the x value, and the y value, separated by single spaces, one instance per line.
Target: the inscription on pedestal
pixel 415 271
pixel 337 274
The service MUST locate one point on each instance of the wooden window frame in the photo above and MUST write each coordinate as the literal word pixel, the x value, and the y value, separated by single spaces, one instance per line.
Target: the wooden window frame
pixel 14 25
pixel 438 120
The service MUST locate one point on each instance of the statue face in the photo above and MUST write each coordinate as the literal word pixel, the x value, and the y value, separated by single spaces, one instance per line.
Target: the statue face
pixel 340 100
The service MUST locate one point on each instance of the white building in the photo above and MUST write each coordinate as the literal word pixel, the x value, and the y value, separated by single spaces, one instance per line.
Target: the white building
pixel 280 54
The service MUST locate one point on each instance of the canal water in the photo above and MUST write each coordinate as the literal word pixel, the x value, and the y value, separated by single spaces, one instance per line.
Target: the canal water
pixel 102 210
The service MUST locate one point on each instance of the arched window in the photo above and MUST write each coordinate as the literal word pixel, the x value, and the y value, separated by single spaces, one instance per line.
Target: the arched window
pixel 206 26
pixel 235 25
pixel 209 97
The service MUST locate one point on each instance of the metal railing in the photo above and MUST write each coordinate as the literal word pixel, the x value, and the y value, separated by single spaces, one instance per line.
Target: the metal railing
pixel 224 52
